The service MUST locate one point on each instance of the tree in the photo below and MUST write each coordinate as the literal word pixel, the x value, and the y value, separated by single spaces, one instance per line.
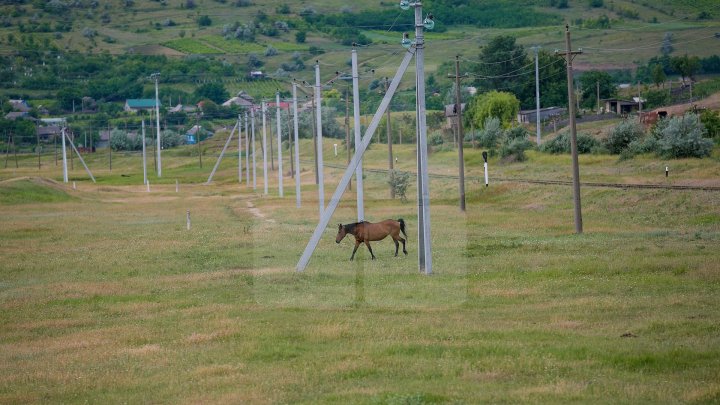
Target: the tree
pixel 623 134
pixel 503 63
pixel 204 21
pixel 658 75
pixel 501 105
pixel 300 37
pixel 687 66
pixel 684 137
pixel 212 91
pixel 67 96
pixel 589 81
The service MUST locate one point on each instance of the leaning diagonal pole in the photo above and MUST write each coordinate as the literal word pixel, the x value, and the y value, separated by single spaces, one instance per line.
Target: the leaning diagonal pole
pixel 222 153
pixel 354 162
pixel 81 158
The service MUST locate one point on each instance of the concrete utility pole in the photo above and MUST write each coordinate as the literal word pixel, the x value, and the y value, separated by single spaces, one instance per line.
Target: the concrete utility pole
pixel 290 143
pixel 297 146
pixel 537 95
pixel 347 130
pixel 247 151
pixel 314 138
pixel 64 157
pixel 145 180
pixel 198 132
pixel 318 124
pixel 569 55
pixel 461 136
pixel 391 166
pixel 358 137
pixel 597 85
pixel 254 163
pixel 424 250
pixel 264 147
pixel 110 144
pixel 239 126
pixel 156 76
pixel 279 143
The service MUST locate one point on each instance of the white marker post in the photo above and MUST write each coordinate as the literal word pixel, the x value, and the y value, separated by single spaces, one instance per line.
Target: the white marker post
pixel 484 155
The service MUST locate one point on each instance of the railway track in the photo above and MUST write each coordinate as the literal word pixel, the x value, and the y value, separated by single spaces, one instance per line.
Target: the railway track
pixel 548 182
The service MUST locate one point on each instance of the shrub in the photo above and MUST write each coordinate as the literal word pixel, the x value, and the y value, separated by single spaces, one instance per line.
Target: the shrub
pixel 711 120
pixel 684 137
pixel 491 132
pixel 436 139
pixel 514 144
pixel 171 139
pixel 399 181
pixel 561 144
pixel 622 135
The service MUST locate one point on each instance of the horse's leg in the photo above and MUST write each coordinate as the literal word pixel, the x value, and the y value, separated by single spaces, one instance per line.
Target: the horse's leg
pixel 403 242
pixel 357 243
pixel 397 246
pixel 367 243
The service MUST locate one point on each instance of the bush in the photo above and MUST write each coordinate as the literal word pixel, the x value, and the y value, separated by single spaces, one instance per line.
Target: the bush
pixel 684 137
pixel 436 139
pixel 561 144
pixel 399 181
pixel 622 135
pixel 514 149
pixel 711 120
pixel 491 132
pixel 170 139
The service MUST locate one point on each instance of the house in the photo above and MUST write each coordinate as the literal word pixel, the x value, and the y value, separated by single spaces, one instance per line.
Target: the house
pixel 242 99
pixel 257 74
pixel 283 105
pixel 191 136
pixel 20 105
pixel 135 105
pixel 45 133
pixel 13 115
pixel 618 106
pixel 530 116
pixel 182 108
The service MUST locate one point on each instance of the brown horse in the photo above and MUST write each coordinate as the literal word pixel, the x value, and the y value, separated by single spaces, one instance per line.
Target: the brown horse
pixel 366 232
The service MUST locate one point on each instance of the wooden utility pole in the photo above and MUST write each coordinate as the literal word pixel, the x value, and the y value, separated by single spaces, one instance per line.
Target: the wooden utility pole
pixel 569 55
pixel 109 145
pixel 460 135
pixel 55 146
pixel 37 137
pixel 597 84
pixel 197 132
pixel 391 166
pixel 272 158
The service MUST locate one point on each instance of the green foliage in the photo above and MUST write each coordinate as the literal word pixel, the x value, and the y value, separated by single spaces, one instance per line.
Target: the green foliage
pixel 658 75
pixel 686 66
pixel 501 105
pixel 212 91
pixel 171 139
pixel 514 144
pixel 684 137
pixel 656 98
pixel 399 181
pixel 623 134
pixel 300 37
pixel 561 144
pixel 596 3
pixel 204 21
pixel 490 132
pixel 711 120
pixel 589 81
pixel 436 139
pixel 121 140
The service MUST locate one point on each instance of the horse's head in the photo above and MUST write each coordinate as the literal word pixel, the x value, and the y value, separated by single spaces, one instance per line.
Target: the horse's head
pixel 341 233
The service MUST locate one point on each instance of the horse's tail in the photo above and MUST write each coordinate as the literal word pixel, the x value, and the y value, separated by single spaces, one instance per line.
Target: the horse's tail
pixel 402 226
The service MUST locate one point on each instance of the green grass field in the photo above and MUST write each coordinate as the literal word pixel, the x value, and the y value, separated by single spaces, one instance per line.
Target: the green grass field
pixel 106 297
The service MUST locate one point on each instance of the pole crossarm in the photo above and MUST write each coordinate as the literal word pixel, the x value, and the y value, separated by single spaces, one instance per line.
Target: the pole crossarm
pixel 222 153
pixel 354 162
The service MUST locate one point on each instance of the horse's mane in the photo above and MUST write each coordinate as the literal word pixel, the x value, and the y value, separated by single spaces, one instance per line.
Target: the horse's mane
pixel 350 228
